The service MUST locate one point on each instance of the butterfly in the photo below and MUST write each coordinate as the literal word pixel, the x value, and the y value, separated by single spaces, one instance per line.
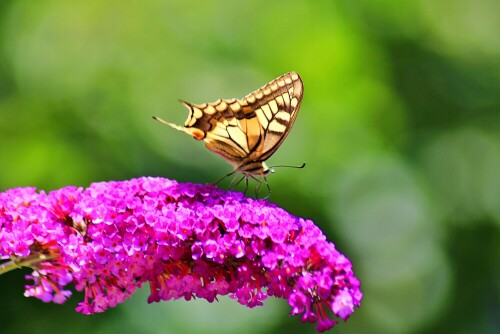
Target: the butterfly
pixel 246 132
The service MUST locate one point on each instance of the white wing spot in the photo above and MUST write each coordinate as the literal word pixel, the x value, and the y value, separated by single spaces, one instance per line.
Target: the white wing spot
pixel 275 126
pixel 273 105
pixel 286 99
pixel 197 113
pixel 210 110
pixel 190 122
pixel 279 100
pixel 262 118
pixel 267 111
pixel 233 122
pixel 239 137
pixel 283 115
pixel 219 130
pixel 221 107
pixel 235 106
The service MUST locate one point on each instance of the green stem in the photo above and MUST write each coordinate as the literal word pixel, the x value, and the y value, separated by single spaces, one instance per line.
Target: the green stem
pixel 27 261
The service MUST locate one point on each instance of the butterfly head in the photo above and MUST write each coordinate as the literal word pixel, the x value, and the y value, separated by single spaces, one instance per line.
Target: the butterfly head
pixel 267 170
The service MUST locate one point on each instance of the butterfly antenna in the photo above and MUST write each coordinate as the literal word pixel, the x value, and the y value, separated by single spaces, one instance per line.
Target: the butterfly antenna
pixel 288 166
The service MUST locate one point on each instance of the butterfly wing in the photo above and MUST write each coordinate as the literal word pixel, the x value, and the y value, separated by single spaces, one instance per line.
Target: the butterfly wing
pixel 276 106
pixel 247 130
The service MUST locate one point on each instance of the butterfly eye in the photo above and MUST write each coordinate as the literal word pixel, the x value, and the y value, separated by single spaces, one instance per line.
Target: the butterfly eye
pixel 248 131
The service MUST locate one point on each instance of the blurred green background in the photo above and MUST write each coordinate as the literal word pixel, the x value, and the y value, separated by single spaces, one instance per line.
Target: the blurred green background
pixel 399 126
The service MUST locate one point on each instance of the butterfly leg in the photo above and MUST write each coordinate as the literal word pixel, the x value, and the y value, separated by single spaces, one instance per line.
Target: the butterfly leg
pixel 233 185
pixel 239 181
pixel 268 189
pixel 246 185
pixel 222 178
pixel 257 187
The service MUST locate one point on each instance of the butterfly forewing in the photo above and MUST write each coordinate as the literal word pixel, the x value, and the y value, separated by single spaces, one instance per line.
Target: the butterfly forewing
pixel 247 132
pixel 276 108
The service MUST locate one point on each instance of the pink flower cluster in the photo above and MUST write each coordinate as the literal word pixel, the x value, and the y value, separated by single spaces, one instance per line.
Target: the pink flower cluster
pixel 185 240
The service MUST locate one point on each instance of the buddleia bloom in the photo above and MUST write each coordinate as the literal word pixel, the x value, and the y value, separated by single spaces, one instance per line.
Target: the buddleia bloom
pixel 185 240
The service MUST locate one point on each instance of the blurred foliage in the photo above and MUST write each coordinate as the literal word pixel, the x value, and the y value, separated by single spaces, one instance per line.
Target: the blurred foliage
pixel 399 126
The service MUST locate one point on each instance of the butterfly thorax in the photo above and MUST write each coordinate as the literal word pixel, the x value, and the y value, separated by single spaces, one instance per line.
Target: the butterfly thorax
pixel 253 168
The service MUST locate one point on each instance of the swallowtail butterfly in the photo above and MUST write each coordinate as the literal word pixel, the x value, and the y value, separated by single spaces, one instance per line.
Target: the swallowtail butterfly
pixel 248 131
